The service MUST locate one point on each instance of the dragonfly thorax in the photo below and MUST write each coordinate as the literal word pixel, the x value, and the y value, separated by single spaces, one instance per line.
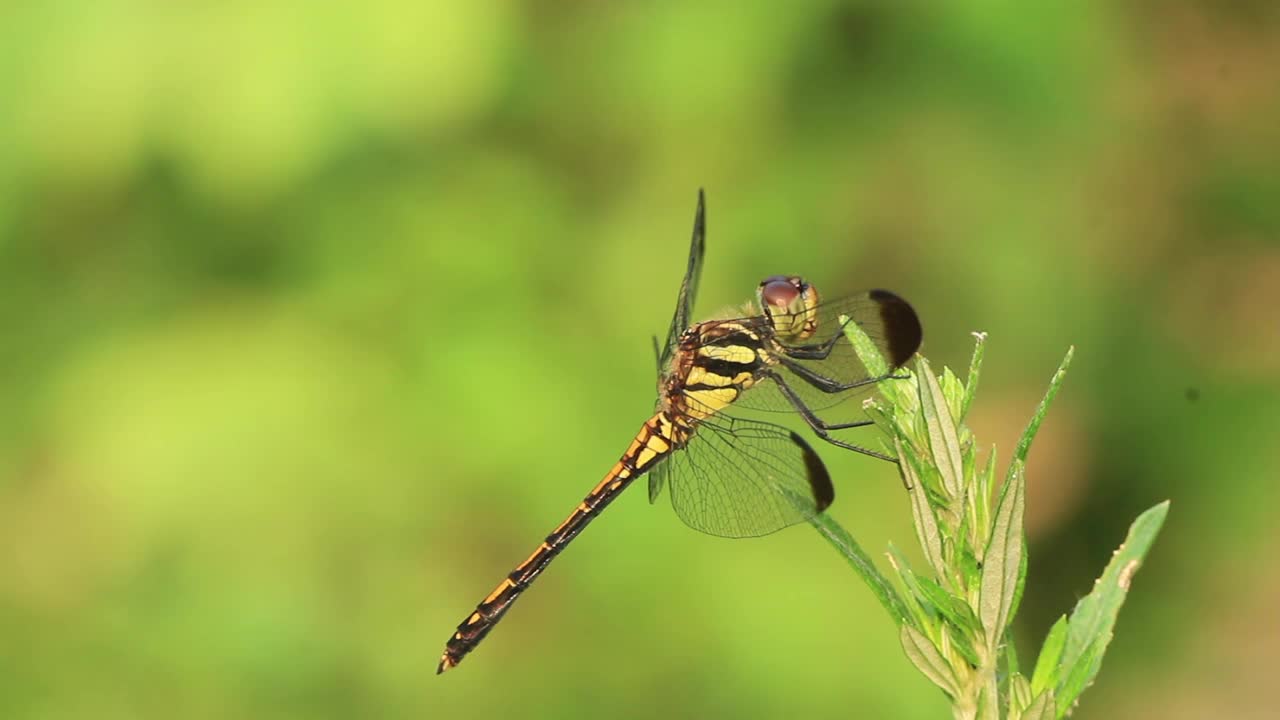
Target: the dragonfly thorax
pixel 715 362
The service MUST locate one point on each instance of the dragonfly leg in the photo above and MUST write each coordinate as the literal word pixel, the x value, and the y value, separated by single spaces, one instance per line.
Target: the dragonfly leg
pixel 820 427
pixel 824 383
pixel 823 350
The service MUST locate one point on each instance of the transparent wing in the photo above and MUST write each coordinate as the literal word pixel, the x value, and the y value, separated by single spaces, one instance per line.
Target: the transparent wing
pixel 688 288
pixel 887 319
pixel 658 478
pixel 743 478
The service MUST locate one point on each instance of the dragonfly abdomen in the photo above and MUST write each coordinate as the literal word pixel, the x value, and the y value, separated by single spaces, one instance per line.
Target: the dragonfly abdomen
pixel 656 439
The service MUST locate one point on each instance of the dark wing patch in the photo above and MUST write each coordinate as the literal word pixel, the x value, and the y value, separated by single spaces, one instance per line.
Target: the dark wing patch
pixel 824 493
pixel 900 327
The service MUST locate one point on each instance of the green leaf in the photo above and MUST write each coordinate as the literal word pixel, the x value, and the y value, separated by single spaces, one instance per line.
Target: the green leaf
pixel 1089 630
pixel 861 563
pixel 1080 675
pixel 922 609
pixel 982 495
pixel 1022 580
pixel 924 473
pixel 967 567
pixel 1010 653
pixel 1024 443
pixel 941 430
pixel 1020 694
pixel 922 653
pixel 975 372
pixel 925 522
pixel 1042 707
pixel 960 640
pixel 1046 672
pixel 937 597
pixel 953 391
pixel 1003 558
pixel 955 612
pixel 871 358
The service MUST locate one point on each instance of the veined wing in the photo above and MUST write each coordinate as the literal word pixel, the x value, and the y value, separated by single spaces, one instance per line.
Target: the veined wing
pixel 689 287
pixel 744 478
pixel 887 319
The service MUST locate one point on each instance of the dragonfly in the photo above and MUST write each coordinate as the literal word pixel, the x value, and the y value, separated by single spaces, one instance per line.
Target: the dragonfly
pixel 727 473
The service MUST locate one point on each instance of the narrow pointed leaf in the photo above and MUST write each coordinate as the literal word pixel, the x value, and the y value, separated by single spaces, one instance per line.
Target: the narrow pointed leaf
pixel 958 621
pixel 921 608
pixel 861 563
pixel 1089 630
pixel 1020 694
pixel 872 360
pixel 1080 676
pixel 1009 651
pixel 953 391
pixel 1024 443
pixel 1003 559
pixel 960 642
pixel 926 524
pixel 1021 582
pixel 982 496
pixel 1042 708
pixel 975 373
pixel 1046 672
pixel 941 429
pixel 928 660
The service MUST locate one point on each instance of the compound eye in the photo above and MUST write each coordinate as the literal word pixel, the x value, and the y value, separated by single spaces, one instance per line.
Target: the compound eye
pixel 779 292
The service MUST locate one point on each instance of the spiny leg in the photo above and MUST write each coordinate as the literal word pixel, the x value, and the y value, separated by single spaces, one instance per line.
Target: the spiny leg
pixel 821 427
pixel 822 352
pixel 824 383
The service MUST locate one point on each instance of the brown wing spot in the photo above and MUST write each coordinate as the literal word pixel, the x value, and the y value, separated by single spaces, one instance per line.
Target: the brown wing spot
pixel 816 473
pixel 902 329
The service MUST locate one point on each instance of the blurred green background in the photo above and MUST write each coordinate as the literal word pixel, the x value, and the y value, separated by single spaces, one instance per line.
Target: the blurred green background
pixel 315 321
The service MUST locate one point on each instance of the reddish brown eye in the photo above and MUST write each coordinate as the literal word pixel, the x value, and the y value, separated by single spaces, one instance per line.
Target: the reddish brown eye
pixel 778 292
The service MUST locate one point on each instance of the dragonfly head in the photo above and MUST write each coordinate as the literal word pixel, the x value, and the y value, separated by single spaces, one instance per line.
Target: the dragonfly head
pixel 790 303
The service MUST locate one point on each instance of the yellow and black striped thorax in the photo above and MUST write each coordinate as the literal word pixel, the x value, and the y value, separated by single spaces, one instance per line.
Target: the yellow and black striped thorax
pixel 716 362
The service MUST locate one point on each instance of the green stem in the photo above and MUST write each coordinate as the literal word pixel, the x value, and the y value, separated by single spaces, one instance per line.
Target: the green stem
pixel 861 563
